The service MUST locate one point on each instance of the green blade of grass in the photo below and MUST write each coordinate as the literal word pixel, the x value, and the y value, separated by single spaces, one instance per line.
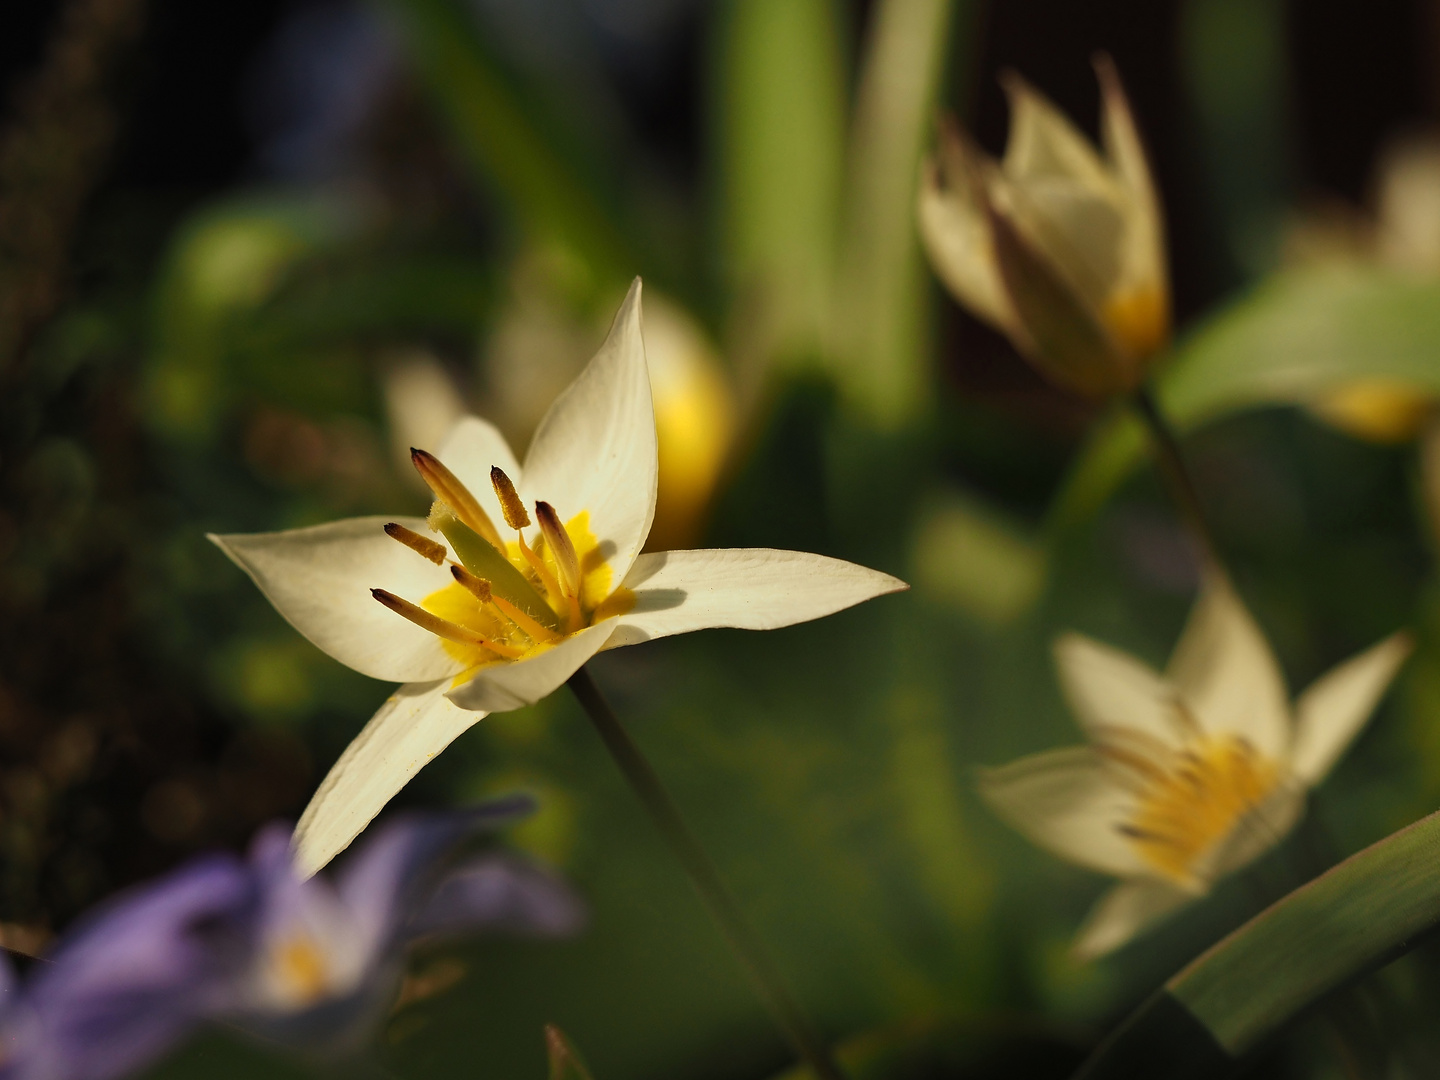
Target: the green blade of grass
pixel 1353 919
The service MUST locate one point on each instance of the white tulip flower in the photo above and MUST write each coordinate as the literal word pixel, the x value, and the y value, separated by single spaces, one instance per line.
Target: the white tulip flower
pixel 1059 247
pixel 495 619
pixel 1189 775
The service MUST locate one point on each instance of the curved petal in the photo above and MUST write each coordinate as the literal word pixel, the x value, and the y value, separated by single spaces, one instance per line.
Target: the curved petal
pixel 1068 802
pixel 1227 675
pixel 1066 198
pixel 320 579
pixel 1044 144
pixel 391 873
pixel 1333 710
pixel 1110 691
pixel 472 447
pixel 414 725
pixel 499 891
pixel 956 232
pixel 749 588
pixel 1256 833
pixel 1143 260
pixel 513 686
pixel 595 449
pixel 1123 912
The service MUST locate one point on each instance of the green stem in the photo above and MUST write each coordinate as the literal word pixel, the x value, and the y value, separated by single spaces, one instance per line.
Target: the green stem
pixel 744 943
pixel 1176 473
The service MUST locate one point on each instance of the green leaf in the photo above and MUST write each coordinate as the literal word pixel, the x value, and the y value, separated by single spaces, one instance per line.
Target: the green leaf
pixel 505 142
pixel 881 317
pixel 1358 916
pixel 782 100
pixel 1297 337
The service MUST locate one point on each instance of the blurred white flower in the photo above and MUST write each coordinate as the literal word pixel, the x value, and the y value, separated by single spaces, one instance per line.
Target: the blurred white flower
pixel 495 623
pixel 1189 775
pixel 1058 247
pixel 539 345
pixel 422 405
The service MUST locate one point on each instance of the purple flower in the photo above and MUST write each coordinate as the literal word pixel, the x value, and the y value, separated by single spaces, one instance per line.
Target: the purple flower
pixel 307 963
pixel 327 955
pixel 133 977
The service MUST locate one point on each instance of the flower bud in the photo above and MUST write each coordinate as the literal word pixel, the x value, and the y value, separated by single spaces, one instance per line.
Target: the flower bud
pixel 1058 247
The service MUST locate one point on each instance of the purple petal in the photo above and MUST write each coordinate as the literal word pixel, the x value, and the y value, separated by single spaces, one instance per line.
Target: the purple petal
pixel 136 975
pixel 383 881
pixel 500 892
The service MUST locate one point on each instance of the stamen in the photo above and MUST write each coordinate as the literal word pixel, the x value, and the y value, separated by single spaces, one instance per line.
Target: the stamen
pixel 547 579
pixel 514 510
pixel 477 585
pixel 1146 768
pixel 415 542
pixel 560 546
pixel 537 631
pixel 486 595
pixel 449 490
pixel 441 627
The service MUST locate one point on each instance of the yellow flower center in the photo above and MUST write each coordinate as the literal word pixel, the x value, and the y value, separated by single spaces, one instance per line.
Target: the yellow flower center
pixel 300 971
pixel 509 600
pixel 1192 799
pixel 1139 320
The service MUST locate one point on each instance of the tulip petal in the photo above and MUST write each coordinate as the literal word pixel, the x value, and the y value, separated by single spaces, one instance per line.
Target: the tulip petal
pixel 1067 200
pixel 956 233
pixel 1123 912
pixel 1227 675
pixel 1070 803
pixel 1110 691
pixel 748 588
pixel 1069 343
pixel 1044 144
pixel 513 686
pixel 595 450
pixel 1143 252
pixel 1336 706
pixel 1259 830
pixel 320 579
pixel 414 725
pixel 470 449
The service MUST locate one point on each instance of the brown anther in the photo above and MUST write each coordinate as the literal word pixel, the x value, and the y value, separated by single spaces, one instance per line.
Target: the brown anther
pixel 415 542
pixel 510 504
pixel 477 585
pixel 450 491
pixel 560 546
pixel 440 627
